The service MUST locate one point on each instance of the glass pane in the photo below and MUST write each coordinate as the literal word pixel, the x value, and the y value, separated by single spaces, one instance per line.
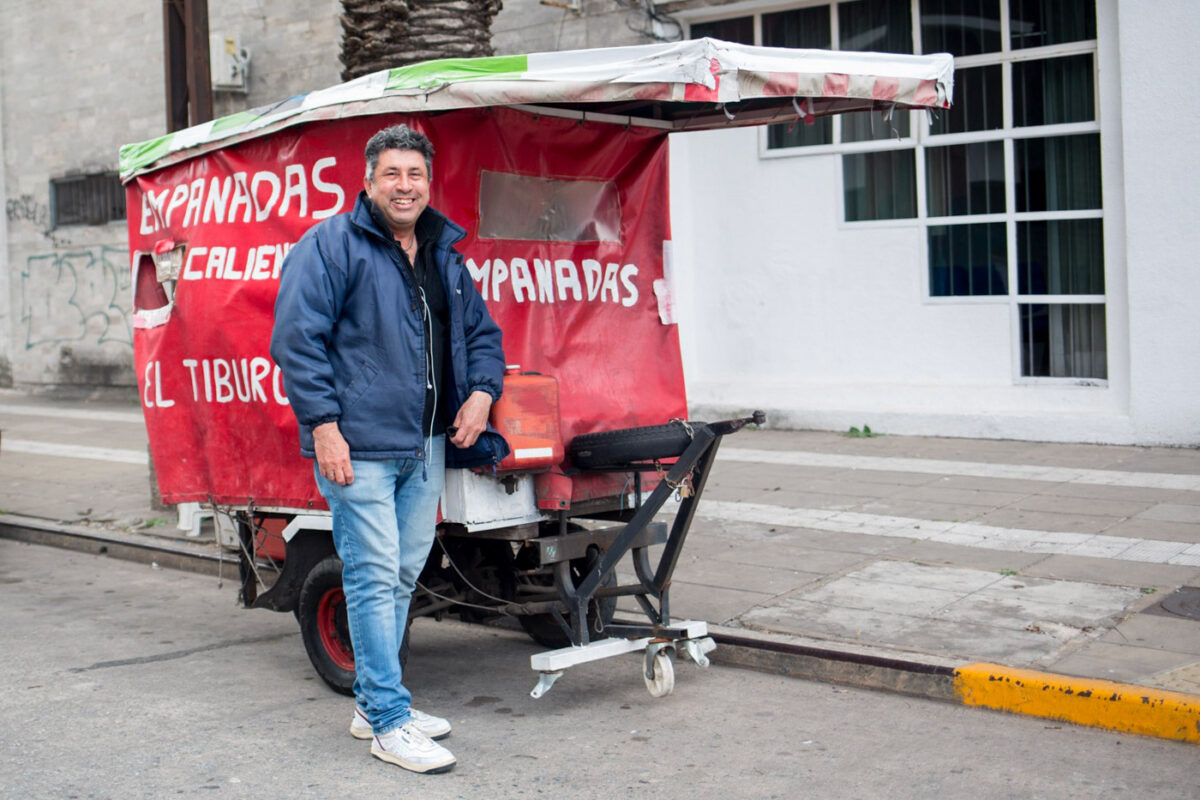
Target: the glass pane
pixel 547 210
pixel 880 185
pixel 738 29
pixel 1040 22
pixel 1061 256
pixel 804 27
pixel 965 179
pixel 884 26
pixel 800 133
pixel 1060 173
pixel 1053 91
pixel 976 104
pixel 868 125
pixel 1063 341
pixel 960 27
pixel 967 260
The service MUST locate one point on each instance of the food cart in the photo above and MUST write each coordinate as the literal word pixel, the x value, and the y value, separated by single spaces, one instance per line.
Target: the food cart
pixel 557 166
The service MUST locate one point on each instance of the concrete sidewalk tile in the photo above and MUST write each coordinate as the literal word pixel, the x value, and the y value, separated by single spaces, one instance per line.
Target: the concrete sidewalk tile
pixel 957 580
pixel 1016 613
pixel 800 617
pixel 798 498
pixel 1048 521
pixel 889 477
pixel 1098 600
pixel 961 537
pixel 864 594
pixel 1179 460
pixel 1184 678
pixel 738 494
pixel 988 560
pixel 754 474
pixel 784 556
pixel 1152 551
pixel 902 506
pixel 714 604
pixel 1058 542
pixel 1189 557
pixel 1156 529
pixel 697 569
pixel 1136 494
pixel 1101 546
pixel 1059 504
pixel 971 640
pixel 1173 512
pixel 1159 632
pixel 969 497
pixel 1018 486
pixel 1071 567
pixel 849 485
pixel 1122 662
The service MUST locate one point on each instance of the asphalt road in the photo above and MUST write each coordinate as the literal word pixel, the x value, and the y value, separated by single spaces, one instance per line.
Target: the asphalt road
pixel 125 681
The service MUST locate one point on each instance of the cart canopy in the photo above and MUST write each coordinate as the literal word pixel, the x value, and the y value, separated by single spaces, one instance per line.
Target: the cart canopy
pixel 691 85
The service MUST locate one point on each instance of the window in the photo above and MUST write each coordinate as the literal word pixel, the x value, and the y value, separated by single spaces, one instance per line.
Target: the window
pixel 87 200
pixel 547 210
pixel 1006 185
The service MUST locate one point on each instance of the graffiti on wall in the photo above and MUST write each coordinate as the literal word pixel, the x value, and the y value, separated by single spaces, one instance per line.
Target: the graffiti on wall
pixel 26 208
pixel 80 296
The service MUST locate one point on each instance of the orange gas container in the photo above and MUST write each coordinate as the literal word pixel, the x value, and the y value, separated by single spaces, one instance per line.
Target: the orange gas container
pixel 527 416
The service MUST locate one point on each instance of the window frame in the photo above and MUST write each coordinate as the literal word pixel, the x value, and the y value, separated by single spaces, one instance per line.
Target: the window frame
pixel 921 138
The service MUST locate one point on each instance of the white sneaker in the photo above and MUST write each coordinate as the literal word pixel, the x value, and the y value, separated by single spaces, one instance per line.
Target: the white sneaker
pixel 428 724
pixel 407 747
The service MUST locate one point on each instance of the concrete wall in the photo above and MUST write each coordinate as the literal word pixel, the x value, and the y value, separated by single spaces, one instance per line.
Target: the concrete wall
pixel 1158 96
pixel 78 80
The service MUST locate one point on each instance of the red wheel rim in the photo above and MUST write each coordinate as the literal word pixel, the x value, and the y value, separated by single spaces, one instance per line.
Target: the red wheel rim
pixel 335 641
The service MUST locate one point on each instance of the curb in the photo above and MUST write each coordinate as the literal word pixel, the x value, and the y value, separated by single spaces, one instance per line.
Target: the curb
pixel 127 547
pixel 1083 701
pixel 1121 707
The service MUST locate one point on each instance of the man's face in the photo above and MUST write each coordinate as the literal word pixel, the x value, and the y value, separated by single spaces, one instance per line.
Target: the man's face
pixel 400 188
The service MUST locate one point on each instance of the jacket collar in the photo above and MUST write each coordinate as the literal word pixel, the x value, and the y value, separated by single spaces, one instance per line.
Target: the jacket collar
pixel 361 217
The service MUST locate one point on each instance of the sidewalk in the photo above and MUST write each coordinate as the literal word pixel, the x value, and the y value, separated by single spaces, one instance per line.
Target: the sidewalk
pixel 1071 560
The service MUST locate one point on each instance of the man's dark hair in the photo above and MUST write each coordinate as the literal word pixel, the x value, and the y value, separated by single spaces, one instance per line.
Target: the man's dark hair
pixel 398 137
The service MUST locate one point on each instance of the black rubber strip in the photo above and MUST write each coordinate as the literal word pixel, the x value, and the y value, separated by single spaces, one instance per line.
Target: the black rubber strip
pixel 834 655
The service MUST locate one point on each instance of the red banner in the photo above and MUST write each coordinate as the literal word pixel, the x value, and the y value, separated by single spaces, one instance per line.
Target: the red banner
pixel 566 222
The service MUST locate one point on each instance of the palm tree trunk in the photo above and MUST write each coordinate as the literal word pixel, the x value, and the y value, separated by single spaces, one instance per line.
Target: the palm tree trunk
pixel 380 34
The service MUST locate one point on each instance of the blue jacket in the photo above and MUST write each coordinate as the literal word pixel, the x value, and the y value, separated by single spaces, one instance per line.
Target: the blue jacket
pixel 349 339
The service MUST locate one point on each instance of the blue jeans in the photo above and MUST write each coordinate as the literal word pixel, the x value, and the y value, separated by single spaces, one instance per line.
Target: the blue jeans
pixel 383 527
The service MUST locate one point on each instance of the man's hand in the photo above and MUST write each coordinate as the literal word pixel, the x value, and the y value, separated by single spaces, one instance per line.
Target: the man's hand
pixel 471 419
pixel 333 454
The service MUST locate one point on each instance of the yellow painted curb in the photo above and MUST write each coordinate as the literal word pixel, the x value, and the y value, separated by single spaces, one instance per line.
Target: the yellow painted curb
pixel 1103 704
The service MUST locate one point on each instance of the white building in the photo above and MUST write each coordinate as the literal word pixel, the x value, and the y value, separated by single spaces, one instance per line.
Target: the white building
pixel 1023 268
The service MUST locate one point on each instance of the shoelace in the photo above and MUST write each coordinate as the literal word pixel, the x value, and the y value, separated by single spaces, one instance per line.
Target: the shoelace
pixel 412 737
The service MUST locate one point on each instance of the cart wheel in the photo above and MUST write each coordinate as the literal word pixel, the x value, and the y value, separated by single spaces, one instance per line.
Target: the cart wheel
pixel 323 625
pixel 658 664
pixel 325 630
pixel 543 628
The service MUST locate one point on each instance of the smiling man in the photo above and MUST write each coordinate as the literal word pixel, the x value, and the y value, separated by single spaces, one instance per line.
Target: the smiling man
pixel 388 354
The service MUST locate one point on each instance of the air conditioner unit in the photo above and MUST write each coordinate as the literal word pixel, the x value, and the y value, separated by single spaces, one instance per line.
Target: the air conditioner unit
pixel 229 63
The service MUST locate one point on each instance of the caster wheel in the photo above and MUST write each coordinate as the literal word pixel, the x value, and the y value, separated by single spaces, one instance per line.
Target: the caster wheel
pixel 659 674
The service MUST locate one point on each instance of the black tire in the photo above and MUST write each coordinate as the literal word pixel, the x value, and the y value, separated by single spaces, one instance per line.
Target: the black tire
pixel 323 626
pixel 546 631
pixel 324 629
pixel 627 445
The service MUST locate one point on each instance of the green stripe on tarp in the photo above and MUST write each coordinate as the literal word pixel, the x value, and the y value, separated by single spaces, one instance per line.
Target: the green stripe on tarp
pixel 141 154
pixel 428 74
pixel 234 121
